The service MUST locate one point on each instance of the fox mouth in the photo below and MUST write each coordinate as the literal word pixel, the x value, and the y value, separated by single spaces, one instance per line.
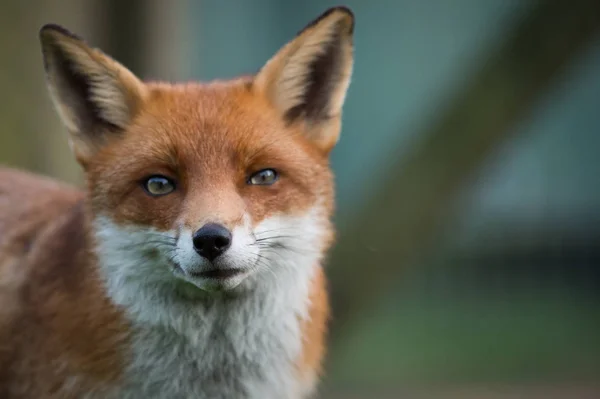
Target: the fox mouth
pixel 212 279
pixel 217 273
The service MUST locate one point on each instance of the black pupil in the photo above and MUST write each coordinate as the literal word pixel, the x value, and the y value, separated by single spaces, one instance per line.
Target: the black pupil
pixel 158 184
pixel 266 175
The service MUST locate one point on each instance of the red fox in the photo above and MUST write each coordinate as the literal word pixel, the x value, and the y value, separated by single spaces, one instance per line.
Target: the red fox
pixel 191 265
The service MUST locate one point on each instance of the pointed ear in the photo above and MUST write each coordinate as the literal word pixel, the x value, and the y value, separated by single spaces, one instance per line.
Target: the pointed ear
pixel 94 95
pixel 308 78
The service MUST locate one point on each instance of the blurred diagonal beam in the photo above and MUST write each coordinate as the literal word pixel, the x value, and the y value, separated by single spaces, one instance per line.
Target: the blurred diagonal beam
pixel 124 28
pixel 149 37
pixel 396 227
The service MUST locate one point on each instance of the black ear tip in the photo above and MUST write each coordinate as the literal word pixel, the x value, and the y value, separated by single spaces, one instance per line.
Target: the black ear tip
pixel 345 16
pixel 349 15
pixel 343 9
pixel 53 30
pixel 348 18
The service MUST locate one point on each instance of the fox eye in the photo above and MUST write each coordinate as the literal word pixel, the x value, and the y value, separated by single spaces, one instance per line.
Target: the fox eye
pixel 158 185
pixel 264 177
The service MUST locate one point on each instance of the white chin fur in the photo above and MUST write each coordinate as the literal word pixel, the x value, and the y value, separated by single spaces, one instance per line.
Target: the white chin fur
pixel 138 261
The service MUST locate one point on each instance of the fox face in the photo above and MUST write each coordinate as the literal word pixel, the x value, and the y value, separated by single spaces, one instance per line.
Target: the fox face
pixel 213 201
pixel 197 188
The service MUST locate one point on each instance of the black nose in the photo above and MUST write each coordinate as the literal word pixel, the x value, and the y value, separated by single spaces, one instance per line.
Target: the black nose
pixel 211 240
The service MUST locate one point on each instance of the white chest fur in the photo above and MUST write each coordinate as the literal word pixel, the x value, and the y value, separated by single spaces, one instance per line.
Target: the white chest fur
pixel 236 348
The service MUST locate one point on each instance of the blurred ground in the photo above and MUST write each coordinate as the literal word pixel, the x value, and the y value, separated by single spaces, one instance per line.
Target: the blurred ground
pixel 500 392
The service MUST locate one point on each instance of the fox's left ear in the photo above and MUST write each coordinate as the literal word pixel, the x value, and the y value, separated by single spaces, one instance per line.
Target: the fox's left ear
pixel 307 80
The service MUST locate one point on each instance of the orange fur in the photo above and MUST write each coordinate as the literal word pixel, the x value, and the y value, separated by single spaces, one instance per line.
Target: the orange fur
pixel 56 320
pixel 61 333
pixel 315 329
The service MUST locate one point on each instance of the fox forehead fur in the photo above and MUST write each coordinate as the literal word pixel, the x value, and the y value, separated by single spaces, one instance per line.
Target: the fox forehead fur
pixel 106 290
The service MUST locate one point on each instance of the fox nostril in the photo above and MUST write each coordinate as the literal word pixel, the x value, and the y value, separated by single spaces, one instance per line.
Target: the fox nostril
pixel 222 242
pixel 211 240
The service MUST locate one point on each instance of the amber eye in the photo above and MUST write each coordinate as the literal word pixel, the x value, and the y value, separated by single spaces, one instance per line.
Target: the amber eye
pixel 159 185
pixel 264 177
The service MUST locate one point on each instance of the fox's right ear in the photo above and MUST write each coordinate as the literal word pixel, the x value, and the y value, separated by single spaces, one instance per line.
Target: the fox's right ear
pixel 95 96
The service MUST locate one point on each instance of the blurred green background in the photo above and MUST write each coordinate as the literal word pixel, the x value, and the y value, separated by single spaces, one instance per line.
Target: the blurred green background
pixel 468 174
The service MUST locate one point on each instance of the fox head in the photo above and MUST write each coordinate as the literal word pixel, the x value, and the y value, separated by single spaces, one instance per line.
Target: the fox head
pixel 206 187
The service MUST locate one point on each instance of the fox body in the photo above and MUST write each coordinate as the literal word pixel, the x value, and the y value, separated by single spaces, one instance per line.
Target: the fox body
pixel 191 266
